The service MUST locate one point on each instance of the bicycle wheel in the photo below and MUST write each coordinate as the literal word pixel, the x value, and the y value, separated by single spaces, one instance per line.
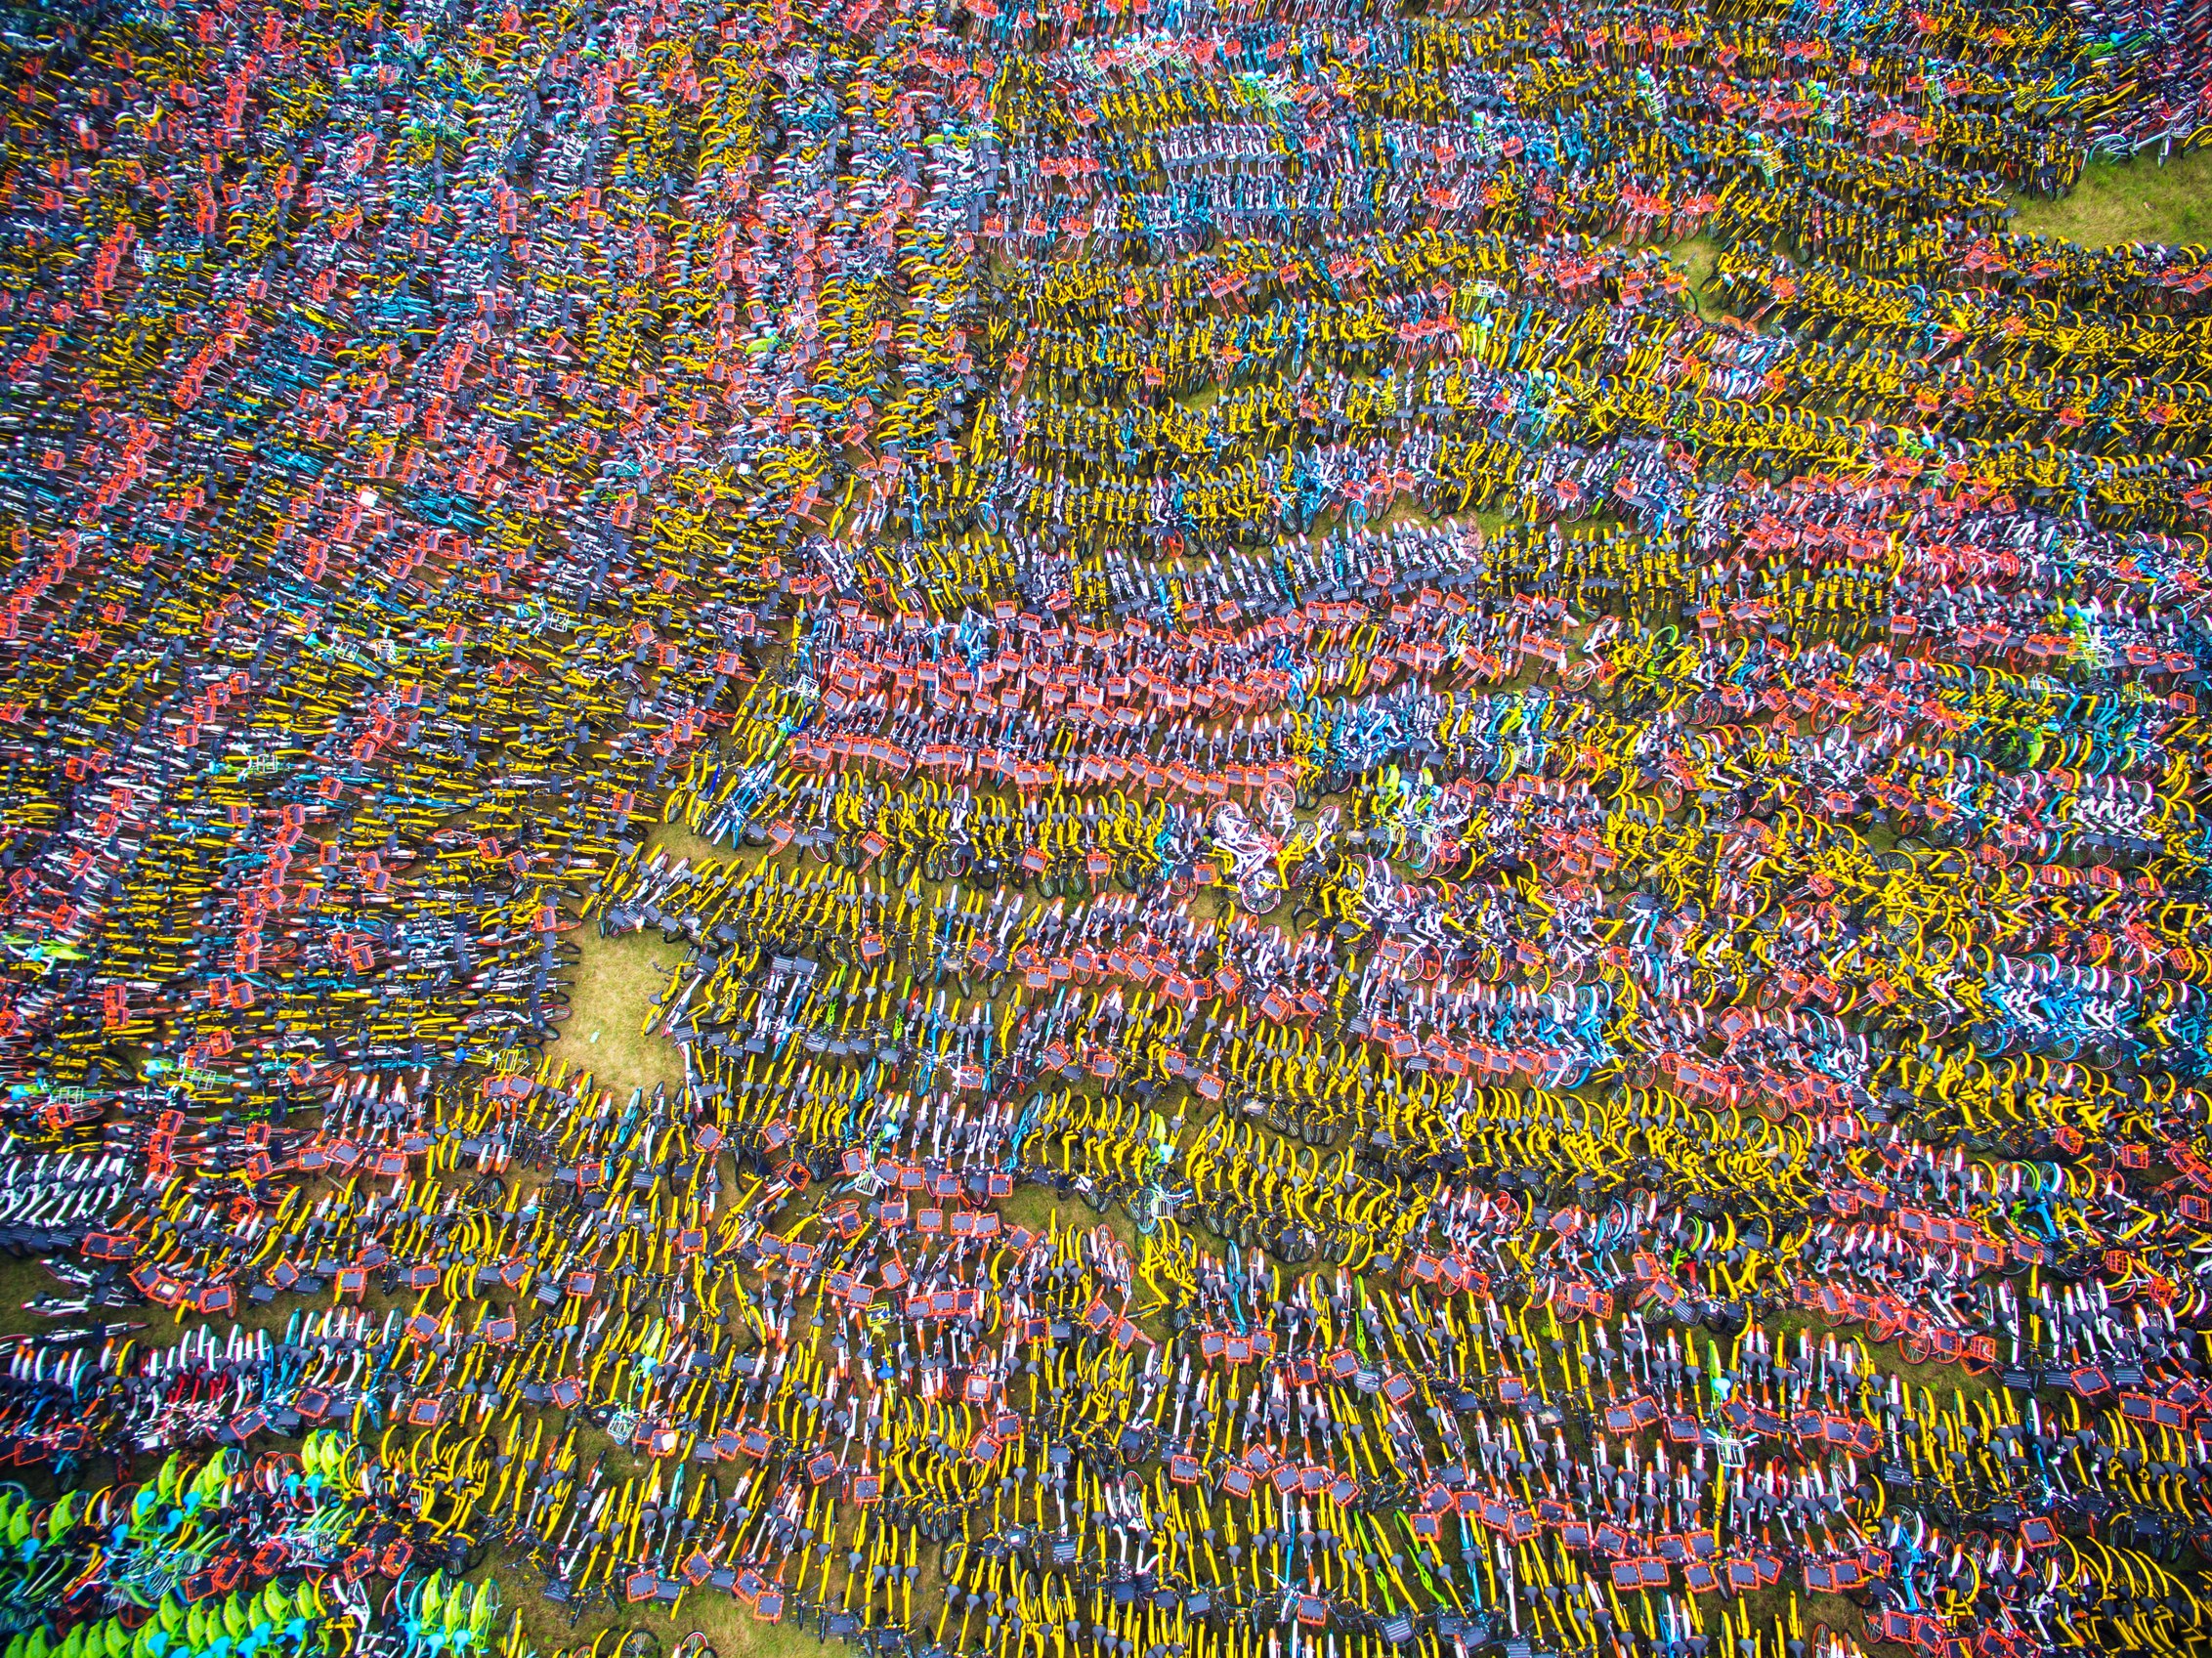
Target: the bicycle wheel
pixel 1259 895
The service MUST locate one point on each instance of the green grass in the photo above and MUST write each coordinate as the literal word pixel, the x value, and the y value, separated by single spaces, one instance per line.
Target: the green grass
pixel 2130 201
pixel 613 987
pixel 1699 257
pixel 616 983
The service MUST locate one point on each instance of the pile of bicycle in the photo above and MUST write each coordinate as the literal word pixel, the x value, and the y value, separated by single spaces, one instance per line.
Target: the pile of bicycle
pixel 1416 789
